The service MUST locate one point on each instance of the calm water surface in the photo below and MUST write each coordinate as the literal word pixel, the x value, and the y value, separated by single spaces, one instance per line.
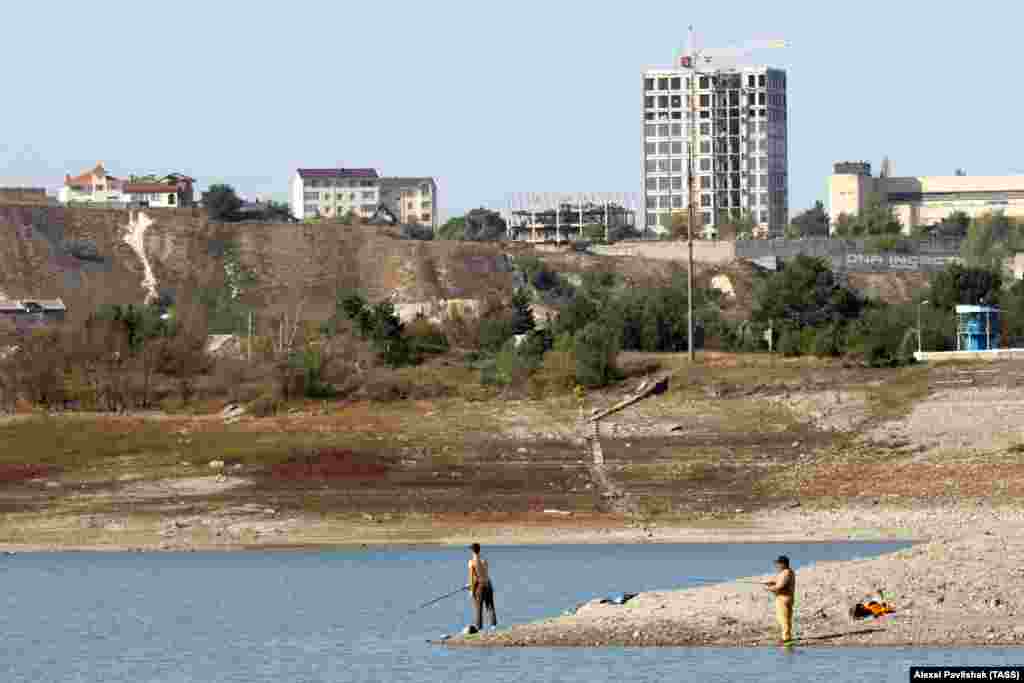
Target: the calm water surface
pixel 340 616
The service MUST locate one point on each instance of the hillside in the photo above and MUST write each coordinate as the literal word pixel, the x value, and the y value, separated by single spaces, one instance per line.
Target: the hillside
pixel 86 256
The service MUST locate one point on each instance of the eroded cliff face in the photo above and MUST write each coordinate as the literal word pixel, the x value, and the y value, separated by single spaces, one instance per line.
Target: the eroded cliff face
pixel 93 256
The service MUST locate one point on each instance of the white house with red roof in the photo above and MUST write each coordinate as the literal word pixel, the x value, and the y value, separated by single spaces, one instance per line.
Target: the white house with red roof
pixel 97 186
pixel 334 192
pixel 92 186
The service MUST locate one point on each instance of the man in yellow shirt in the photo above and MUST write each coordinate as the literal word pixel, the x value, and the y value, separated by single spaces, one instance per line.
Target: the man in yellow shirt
pixel 784 588
pixel 480 588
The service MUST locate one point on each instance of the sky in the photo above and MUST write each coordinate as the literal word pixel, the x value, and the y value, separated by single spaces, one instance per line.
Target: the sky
pixel 489 98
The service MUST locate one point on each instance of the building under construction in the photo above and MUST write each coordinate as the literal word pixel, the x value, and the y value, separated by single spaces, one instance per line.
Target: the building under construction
pixel 730 121
pixel 568 218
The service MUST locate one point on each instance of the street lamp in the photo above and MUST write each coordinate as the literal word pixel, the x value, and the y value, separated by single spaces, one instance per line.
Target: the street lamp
pixel 919 305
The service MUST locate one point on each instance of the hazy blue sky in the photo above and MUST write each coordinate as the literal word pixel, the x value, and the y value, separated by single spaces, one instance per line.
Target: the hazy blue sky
pixel 488 97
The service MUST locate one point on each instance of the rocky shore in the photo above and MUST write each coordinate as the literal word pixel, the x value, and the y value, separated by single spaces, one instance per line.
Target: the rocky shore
pixel 962 587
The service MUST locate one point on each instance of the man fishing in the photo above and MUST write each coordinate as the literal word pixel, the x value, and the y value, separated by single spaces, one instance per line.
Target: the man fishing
pixel 784 588
pixel 480 588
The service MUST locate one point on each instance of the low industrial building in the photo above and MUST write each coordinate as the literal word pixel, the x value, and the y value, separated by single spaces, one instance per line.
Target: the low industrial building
pixel 922 200
pixel 545 217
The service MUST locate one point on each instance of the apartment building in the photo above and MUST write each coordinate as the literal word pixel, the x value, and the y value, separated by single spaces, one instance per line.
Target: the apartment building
pixel 410 200
pixel 334 192
pixel 739 137
pixel 923 200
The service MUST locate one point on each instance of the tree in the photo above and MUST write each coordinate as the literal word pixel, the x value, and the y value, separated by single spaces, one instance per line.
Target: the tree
pixel 222 203
pixel 987 243
pixel 876 218
pixel 733 228
pixel 954 225
pixel 813 222
pixel 959 284
pixel 596 347
pixel 678 228
pixel 844 226
pixel 522 313
pixel 481 225
pixel 805 293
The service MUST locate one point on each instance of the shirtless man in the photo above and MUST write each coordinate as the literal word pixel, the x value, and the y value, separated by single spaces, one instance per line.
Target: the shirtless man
pixel 480 588
pixel 784 587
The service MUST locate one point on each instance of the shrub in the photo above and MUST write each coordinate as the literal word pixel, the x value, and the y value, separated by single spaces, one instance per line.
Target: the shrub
pixel 597 347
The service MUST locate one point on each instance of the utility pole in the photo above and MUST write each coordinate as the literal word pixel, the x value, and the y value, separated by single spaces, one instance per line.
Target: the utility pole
pixel 691 211
pixel 692 63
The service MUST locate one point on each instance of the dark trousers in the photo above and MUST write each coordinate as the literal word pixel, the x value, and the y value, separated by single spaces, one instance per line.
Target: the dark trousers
pixel 483 597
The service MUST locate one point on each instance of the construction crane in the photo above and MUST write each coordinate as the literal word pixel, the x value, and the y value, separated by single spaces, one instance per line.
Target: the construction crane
pixel 698 62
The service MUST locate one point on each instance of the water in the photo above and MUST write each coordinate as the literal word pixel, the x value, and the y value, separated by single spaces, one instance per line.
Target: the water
pixel 338 616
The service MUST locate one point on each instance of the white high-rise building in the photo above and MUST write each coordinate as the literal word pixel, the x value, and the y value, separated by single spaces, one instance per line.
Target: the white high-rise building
pixel 740 148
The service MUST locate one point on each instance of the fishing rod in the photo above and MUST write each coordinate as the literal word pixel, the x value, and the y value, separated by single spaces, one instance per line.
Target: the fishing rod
pixel 704 579
pixel 437 600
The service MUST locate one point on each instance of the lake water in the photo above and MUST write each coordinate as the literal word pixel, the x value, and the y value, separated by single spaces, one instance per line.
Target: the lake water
pixel 341 616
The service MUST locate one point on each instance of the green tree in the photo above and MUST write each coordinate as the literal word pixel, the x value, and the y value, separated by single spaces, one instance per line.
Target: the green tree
pixel 813 222
pixel 735 227
pixel 805 293
pixel 844 226
pixel 959 284
pixel 379 324
pixel 522 313
pixel 597 347
pixel 480 225
pixel 988 241
pixel 876 218
pixel 222 203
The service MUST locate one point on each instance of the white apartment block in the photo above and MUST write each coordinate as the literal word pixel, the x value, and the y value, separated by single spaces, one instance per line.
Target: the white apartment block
pixel 334 192
pixel 740 146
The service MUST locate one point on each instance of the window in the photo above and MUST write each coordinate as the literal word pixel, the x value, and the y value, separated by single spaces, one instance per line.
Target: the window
pixel 677 101
pixel 170 199
pixel 705 164
pixel 677 182
pixel 704 83
pixel 663 102
pixel 677 130
pixel 663 148
pixel 753 181
pixel 652 202
pixel 425 217
pixel 651 147
pixel 367 195
pixel 662 165
pixel 649 116
pixel 648 84
pixel 677 115
pixel 705 200
pixel 662 84
pixel 651 166
pixel 760 81
pixel 649 101
pixel 764 216
pixel 677 148
pixel 677 84
pixel 677 165
pixel 677 201
pixel 705 182
pixel 663 130
pixel 663 202
pixel 650 130
pixel 705 129
pixel 652 182
pixel 705 100
pixel 751 81
pixel 705 147
pixel 663 184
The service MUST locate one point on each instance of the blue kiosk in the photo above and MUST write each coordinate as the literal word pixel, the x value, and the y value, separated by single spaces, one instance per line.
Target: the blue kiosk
pixel 977 328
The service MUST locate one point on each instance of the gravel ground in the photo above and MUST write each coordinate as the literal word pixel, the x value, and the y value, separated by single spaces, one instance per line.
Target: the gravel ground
pixel 961 587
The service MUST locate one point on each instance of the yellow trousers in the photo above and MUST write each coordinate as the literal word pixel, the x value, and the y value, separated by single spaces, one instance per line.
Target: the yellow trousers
pixel 784 615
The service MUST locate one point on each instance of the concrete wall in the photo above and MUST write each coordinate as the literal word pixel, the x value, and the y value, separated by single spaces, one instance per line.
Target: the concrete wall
pixel 703 251
pixel 846 255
